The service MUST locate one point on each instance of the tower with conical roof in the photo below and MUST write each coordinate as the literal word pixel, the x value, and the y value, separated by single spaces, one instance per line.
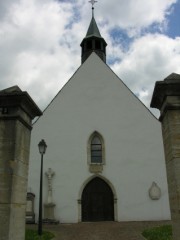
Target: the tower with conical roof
pixel 93 42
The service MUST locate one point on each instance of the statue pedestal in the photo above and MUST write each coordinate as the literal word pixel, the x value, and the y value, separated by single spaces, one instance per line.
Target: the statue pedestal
pixel 30 215
pixel 49 214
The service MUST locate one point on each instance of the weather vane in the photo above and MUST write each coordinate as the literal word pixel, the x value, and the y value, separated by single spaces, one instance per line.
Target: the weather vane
pixel 93 2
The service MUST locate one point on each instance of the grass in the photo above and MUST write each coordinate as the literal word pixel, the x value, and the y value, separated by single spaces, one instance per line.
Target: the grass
pixel 33 235
pixel 158 233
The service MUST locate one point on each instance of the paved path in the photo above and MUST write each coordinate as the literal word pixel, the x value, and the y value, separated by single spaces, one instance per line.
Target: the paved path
pixel 100 230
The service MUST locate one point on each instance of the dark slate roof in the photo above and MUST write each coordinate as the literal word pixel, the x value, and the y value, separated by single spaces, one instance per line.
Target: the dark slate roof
pixel 93 30
pixel 12 89
pixel 173 77
pixel 169 87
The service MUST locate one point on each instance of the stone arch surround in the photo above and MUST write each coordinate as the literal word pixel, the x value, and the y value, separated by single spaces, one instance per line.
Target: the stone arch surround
pixel 81 191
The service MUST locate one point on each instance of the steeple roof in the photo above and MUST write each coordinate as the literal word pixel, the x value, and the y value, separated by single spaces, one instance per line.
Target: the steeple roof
pixel 93 42
pixel 93 30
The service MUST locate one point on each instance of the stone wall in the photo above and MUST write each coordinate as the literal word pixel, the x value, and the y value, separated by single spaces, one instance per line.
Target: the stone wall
pixel 171 136
pixel 166 98
pixel 16 112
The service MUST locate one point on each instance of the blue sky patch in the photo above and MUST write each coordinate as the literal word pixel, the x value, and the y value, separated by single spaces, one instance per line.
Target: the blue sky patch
pixel 112 60
pixel 75 18
pixel 120 37
pixel 173 29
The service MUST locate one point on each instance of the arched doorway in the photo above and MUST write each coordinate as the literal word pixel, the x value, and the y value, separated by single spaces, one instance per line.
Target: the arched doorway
pixel 97 201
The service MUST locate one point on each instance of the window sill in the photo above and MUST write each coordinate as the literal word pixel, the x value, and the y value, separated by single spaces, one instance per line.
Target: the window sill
pixel 96 167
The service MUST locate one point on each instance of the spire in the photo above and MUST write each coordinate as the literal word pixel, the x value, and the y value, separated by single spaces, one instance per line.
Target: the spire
pixel 93 29
pixel 93 42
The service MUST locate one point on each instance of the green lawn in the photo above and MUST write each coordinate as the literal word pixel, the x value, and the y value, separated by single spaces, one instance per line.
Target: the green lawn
pixel 158 233
pixel 32 235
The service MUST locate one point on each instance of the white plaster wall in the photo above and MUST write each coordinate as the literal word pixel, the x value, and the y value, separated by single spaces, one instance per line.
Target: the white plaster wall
pixel 96 100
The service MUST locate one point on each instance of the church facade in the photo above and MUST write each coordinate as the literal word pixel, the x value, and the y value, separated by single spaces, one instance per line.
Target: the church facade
pixel 104 146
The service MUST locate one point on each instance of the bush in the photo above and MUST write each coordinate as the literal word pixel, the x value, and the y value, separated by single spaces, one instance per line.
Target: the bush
pixel 33 235
pixel 158 233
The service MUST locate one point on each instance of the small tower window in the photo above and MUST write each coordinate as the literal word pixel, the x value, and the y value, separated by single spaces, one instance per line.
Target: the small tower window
pixel 89 45
pixel 98 45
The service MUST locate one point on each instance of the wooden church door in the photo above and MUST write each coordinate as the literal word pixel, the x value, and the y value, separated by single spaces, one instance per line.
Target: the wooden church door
pixel 97 201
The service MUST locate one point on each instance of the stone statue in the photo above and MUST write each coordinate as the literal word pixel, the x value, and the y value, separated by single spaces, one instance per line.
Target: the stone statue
pixel 49 206
pixel 49 175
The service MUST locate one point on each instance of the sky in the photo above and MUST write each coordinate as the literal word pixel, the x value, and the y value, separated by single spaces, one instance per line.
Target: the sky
pixel 40 43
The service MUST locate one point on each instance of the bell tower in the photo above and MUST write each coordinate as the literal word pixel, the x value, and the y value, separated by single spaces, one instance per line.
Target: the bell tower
pixel 93 42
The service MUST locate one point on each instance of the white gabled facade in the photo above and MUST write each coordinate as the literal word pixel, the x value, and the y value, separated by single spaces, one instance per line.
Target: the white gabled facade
pixel 95 99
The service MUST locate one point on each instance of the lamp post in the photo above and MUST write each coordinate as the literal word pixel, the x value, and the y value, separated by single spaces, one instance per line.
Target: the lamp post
pixel 42 149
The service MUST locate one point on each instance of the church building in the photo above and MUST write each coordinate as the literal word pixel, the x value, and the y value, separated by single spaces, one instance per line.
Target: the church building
pixel 103 145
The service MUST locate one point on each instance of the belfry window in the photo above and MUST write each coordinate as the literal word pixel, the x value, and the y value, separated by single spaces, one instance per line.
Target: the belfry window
pixel 89 45
pixel 96 150
pixel 97 45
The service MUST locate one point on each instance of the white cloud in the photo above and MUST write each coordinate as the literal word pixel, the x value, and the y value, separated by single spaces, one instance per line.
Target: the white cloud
pixel 133 16
pixel 39 43
pixel 37 48
pixel 150 58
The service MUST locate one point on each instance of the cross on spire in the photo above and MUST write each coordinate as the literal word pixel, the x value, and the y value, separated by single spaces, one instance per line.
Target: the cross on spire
pixel 93 2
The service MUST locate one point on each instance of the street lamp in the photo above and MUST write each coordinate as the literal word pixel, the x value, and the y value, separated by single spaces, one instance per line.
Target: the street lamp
pixel 42 149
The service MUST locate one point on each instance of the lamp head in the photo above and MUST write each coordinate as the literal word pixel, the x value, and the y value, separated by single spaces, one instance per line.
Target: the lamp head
pixel 42 146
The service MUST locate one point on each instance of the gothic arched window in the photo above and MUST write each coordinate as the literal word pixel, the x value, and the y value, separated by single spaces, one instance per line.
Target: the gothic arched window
pixel 96 149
